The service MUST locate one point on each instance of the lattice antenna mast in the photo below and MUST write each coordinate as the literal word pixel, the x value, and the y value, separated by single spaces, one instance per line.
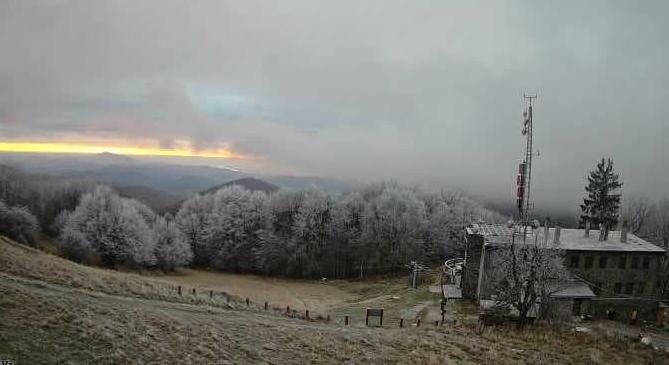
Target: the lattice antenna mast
pixel 525 168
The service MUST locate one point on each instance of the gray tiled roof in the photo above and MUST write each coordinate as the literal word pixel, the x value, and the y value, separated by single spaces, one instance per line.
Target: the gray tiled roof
pixel 570 239
pixel 575 289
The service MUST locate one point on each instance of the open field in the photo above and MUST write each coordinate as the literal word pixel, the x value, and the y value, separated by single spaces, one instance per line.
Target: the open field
pixel 117 318
pixel 297 294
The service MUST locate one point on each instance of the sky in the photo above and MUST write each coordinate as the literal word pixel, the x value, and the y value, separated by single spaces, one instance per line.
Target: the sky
pixel 423 92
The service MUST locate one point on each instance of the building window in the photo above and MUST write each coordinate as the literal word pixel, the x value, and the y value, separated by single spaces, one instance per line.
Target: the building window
pixel 640 289
pixel 622 262
pixel 646 262
pixel 635 263
pixel 588 262
pixel 617 288
pixel 629 288
pixel 602 262
pixel 573 261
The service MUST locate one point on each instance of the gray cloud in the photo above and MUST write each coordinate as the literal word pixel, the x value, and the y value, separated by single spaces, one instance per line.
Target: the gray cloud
pixel 421 91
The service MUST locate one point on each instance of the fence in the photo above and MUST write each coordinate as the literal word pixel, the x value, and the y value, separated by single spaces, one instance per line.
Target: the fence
pixel 222 299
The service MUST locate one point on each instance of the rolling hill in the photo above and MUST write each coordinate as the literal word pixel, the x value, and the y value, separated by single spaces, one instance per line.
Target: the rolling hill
pixel 249 183
pixel 156 199
pixel 57 311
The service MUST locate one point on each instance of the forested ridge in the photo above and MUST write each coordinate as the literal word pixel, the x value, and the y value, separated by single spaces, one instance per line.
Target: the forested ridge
pixel 296 233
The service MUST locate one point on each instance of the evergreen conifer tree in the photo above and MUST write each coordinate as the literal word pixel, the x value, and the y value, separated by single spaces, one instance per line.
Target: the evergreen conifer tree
pixel 602 202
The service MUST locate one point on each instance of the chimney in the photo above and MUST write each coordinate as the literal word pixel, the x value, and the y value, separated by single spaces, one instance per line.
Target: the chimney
pixel 546 233
pixel 602 229
pixel 623 232
pixel 556 236
pixel 587 228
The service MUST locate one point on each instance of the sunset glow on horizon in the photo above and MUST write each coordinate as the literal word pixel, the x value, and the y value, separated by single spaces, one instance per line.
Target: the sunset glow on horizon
pixel 74 148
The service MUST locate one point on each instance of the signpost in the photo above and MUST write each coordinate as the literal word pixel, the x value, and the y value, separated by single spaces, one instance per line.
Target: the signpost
pixel 374 312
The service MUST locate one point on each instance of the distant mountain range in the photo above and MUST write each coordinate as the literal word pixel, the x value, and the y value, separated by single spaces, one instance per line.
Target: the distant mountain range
pixel 161 185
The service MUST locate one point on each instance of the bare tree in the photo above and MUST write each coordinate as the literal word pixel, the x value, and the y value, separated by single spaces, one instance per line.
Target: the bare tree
pixel 660 223
pixel 659 232
pixel 637 212
pixel 528 272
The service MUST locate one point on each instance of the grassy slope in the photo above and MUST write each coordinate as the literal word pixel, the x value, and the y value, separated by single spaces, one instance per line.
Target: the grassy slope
pixel 54 311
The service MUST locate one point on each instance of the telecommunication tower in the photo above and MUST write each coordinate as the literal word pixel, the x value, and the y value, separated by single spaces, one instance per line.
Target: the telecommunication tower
pixel 524 177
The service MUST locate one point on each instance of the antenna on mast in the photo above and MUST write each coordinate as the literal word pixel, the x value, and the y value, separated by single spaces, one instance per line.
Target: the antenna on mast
pixel 525 167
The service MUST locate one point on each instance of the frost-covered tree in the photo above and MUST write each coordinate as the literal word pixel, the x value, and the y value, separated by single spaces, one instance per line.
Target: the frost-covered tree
pixel 44 197
pixel 18 224
pixel 171 249
pixel 311 229
pixel 394 222
pixel 277 252
pixel 194 221
pixel 112 228
pixel 235 223
pixel 309 233
pixel 345 249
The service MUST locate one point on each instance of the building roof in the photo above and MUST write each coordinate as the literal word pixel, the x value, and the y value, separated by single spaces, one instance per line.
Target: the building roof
pixel 575 289
pixel 570 239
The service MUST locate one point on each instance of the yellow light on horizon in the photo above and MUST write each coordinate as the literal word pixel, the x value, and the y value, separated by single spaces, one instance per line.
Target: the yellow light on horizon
pixel 51 147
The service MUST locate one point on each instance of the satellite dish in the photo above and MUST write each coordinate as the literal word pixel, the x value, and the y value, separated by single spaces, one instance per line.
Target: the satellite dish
pixel 510 223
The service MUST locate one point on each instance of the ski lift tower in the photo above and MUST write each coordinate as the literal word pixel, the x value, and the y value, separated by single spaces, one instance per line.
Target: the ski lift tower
pixel 525 169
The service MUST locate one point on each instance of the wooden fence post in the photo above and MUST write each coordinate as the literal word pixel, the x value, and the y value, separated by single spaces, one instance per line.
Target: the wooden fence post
pixel 374 312
pixel 436 323
pixel 179 289
pixel 247 302
pixel 211 294
pixel 287 309
pixel 401 322
pixel 194 294
pixel 266 305
pixel 418 323
pixel 306 314
pixel 345 320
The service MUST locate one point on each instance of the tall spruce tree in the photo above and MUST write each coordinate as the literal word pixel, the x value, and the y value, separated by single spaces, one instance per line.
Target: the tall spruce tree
pixel 603 196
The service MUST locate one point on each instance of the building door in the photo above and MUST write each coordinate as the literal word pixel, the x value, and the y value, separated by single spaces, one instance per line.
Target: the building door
pixel 576 307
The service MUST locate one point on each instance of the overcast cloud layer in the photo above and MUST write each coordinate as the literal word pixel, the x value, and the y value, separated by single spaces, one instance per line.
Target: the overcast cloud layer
pixel 420 91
